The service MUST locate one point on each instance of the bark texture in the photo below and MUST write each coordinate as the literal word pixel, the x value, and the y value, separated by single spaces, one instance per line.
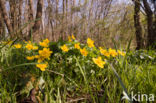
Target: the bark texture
pixel 5 17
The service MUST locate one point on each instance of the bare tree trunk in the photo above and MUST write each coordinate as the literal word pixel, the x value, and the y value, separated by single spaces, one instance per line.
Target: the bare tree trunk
pixel 12 13
pixel 20 12
pixel 57 19
pixel 1 25
pixel 20 7
pixel 66 18
pixel 30 17
pixel 26 19
pixel 151 38
pixel 63 23
pixel 5 17
pixel 71 17
pixel 38 22
pixel 31 10
pixel 138 28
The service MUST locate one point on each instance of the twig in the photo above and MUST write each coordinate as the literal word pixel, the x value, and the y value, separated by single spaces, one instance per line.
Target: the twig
pixel 55 72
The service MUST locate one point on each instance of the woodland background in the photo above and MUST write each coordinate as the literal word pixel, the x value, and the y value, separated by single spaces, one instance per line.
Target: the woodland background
pixel 102 20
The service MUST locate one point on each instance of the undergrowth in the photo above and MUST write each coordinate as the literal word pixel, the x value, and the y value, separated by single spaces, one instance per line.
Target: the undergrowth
pixel 71 72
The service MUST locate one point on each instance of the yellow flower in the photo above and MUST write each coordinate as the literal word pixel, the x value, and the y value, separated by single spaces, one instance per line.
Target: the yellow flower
pixel 17 46
pixel 73 37
pixel 42 66
pixel 46 41
pixel 104 52
pixel 29 46
pixel 113 52
pixel 90 43
pixel 43 44
pixel 77 45
pixel 45 53
pixel 30 57
pixel 121 53
pixel 69 38
pixel 64 48
pixel 84 52
pixel 99 62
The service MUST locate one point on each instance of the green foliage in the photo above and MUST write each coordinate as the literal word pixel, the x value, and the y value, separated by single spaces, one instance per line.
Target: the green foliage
pixel 70 76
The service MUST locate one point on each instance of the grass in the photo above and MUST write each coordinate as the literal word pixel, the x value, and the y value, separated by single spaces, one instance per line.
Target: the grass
pixel 71 77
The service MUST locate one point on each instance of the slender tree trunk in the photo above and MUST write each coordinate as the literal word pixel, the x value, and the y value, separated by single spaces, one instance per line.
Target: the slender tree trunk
pixel 26 16
pixel 151 38
pixel 20 7
pixel 20 12
pixel 5 17
pixel 63 23
pixel 38 22
pixel 30 17
pixel 12 13
pixel 66 18
pixel 1 25
pixel 138 28
pixel 31 10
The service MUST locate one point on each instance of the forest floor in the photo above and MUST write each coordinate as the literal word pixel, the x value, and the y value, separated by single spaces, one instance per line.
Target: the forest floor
pixel 72 72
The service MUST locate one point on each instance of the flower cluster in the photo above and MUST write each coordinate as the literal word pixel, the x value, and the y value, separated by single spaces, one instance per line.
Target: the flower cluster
pixel 42 55
pixel 111 52
pixel 98 61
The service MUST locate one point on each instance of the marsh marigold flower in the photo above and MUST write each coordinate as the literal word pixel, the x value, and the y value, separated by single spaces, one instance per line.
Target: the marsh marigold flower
pixel 17 46
pixel 30 57
pixel 64 48
pixel 42 67
pixel 99 62
pixel 84 52
pixel 113 52
pixel 29 46
pixel 90 43
pixel 73 37
pixel 104 52
pixel 45 53
pixel 45 43
pixel 77 45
